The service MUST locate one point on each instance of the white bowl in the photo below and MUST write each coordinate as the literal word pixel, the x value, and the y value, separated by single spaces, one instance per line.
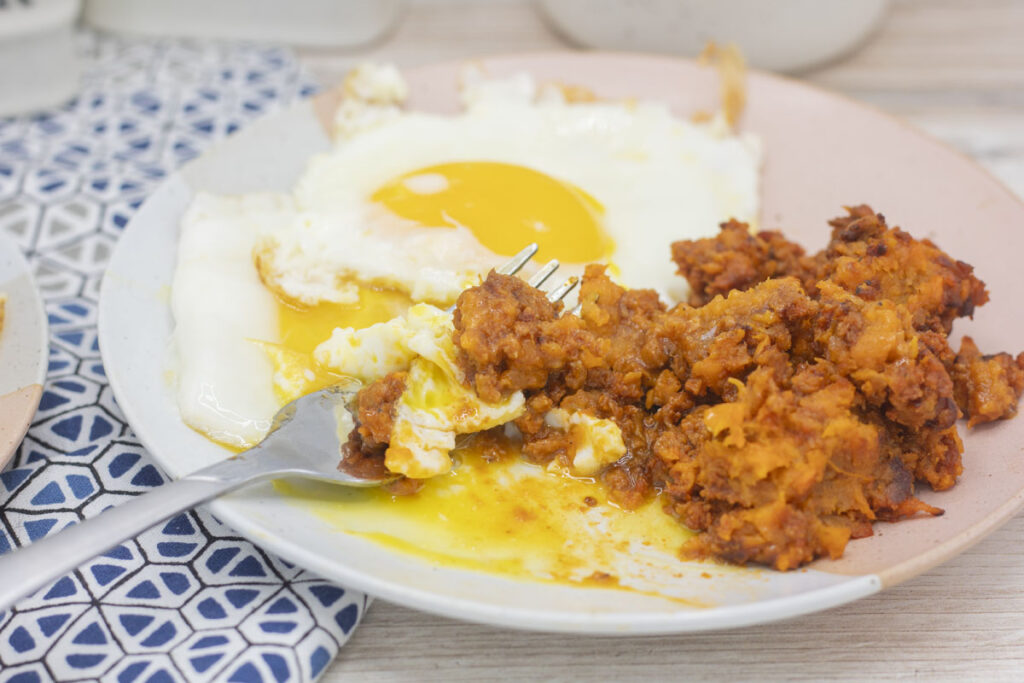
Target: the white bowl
pixel 778 35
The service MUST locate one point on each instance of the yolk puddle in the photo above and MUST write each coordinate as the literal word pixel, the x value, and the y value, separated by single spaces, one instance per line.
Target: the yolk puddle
pixel 302 328
pixel 505 206
pixel 505 517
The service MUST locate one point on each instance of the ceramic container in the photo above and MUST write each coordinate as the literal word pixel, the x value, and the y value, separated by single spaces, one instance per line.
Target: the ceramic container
pixel 778 35
pixel 328 23
pixel 24 347
pixel 37 58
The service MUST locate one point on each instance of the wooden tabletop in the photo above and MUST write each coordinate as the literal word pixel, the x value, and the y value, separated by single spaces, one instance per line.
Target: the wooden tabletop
pixel 952 68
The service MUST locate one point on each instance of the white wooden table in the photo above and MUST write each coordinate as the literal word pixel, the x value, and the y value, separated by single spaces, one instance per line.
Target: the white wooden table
pixel 953 68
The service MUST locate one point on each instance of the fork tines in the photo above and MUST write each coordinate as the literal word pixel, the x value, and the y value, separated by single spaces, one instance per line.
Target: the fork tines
pixel 563 290
pixel 517 262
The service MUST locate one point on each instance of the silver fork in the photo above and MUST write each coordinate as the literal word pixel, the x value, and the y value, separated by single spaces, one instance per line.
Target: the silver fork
pixel 304 441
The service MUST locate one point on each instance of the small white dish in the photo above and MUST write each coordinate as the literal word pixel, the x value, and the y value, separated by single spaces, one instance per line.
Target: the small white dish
pixel 24 349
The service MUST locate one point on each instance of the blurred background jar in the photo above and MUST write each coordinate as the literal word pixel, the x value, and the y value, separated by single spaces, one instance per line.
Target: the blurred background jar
pixel 318 23
pixel 778 35
pixel 38 67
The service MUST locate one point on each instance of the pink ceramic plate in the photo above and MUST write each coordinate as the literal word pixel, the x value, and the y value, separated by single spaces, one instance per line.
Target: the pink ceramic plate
pixel 23 349
pixel 822 152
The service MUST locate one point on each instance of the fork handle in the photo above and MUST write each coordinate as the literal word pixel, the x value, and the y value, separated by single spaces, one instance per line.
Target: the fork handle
pixel 28 569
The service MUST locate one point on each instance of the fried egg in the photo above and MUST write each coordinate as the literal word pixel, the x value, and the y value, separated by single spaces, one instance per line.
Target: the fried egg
pixel 598 442
pixel 423 203
pixel 347 275
pixel 436 406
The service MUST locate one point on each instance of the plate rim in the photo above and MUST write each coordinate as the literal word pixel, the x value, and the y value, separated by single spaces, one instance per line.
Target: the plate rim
pixel 25 399
pixel 334 92
pixel 855 587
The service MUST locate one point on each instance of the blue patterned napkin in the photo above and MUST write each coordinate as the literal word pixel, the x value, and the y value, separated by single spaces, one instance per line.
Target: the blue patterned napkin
pixel 189 600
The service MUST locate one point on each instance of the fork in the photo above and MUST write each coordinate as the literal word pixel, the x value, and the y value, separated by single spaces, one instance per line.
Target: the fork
pixel 304 441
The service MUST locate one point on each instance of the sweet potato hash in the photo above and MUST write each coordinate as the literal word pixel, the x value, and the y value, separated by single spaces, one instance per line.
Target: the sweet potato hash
pixel 793 401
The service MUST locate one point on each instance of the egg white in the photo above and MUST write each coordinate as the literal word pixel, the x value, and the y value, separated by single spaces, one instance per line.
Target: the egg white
pixel 659 178
pixel 225 383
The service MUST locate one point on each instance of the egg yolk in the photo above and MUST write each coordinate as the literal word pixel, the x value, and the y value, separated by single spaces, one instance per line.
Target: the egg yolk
pixel 302 328
pixel 505 206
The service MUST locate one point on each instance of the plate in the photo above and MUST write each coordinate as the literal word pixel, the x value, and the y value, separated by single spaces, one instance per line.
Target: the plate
pixel 822 152
pixel 24 345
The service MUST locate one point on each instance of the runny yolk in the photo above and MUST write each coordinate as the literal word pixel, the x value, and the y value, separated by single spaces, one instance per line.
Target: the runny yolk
pixel 505 206
pixel 302 328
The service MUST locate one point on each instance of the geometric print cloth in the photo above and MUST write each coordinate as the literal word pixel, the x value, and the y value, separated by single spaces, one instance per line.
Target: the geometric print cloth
pixel 188 600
